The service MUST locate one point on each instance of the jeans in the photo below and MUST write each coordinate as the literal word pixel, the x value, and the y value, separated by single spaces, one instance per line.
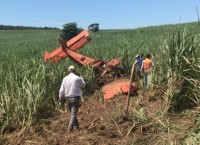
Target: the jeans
pixel 73 105
pixel 147 80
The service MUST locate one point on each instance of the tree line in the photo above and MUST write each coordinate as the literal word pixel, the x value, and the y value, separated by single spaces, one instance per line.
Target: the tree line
pixel 11 27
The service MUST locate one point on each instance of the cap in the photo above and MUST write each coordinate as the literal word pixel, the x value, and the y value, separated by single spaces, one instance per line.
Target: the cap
pixel 71 68
pixel 137 56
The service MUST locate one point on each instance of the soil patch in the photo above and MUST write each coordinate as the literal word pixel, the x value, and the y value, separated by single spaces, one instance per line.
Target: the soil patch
pixel 103 122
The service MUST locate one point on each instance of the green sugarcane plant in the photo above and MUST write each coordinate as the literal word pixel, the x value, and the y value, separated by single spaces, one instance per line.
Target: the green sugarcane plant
pixel 181 71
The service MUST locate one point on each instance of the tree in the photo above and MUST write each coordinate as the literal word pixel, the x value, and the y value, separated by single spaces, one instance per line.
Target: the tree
pixel 69 31
pixel 94 27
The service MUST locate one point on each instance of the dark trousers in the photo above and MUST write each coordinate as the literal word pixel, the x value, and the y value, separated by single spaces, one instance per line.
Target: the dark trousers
pixel 73 105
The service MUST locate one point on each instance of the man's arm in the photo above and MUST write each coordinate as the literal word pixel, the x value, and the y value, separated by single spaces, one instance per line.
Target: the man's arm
pixel 141 69
pixel 61 91
pixel 81 82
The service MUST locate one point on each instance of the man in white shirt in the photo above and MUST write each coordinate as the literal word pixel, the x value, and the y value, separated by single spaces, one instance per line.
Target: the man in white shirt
pixel 71 91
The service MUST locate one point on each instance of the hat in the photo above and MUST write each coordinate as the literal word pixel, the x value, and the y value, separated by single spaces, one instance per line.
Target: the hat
pixel 137 56
pixel 71 68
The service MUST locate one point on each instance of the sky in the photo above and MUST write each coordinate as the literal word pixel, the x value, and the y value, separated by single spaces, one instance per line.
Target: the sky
pixel 110 14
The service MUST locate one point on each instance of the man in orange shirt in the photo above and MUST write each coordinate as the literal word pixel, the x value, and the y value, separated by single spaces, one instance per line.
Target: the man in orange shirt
pixel 146 67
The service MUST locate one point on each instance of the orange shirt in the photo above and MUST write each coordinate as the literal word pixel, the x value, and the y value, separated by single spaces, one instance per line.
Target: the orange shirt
pixel 147 64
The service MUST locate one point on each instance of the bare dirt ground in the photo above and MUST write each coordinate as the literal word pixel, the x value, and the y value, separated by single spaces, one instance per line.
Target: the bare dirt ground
pixel 104 123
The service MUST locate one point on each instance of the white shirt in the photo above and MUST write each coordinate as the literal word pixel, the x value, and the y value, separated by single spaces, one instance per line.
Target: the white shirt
pixel 71 86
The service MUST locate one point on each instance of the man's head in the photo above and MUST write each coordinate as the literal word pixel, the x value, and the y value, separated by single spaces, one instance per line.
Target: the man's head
pixel 71 68
pixel 148 56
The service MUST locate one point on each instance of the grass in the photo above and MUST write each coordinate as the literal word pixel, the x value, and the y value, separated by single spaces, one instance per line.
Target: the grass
pixel 182 68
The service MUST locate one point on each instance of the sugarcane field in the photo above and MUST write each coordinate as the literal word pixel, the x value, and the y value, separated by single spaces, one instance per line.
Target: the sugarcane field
pixel 118 105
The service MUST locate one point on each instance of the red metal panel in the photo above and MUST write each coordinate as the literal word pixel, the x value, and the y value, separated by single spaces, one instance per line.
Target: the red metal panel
pixel 119 86
pixel 73 44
